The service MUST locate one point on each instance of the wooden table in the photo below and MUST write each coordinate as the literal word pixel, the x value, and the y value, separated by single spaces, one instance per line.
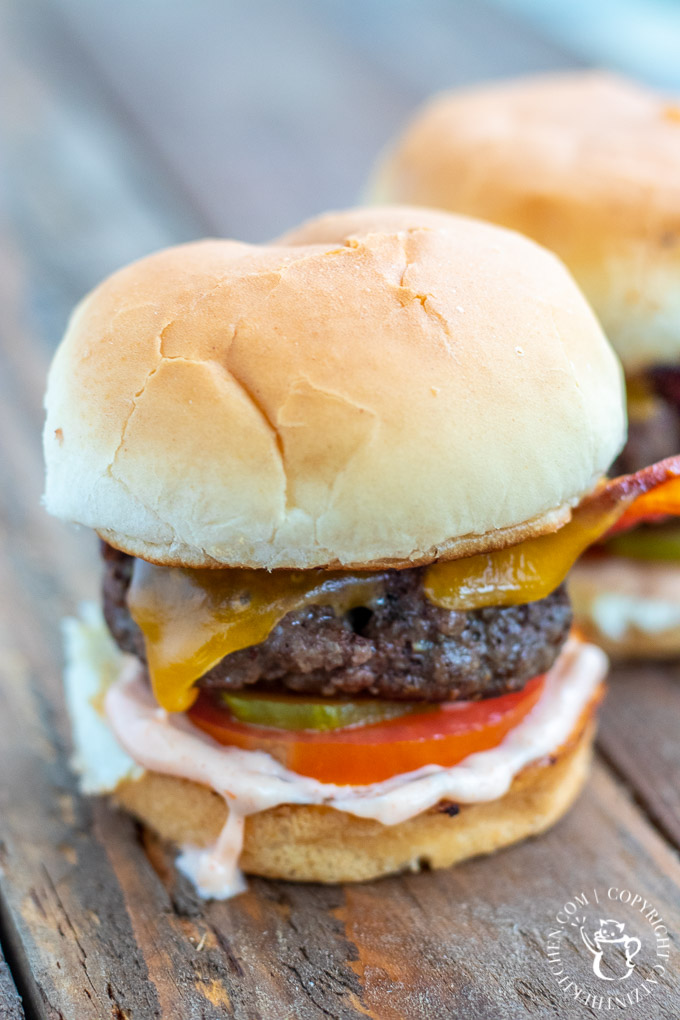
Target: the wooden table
pixel 126 127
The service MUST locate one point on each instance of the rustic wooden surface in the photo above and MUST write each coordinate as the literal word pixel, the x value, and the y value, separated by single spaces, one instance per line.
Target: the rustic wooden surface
pixel 10 1003
pixel 126 127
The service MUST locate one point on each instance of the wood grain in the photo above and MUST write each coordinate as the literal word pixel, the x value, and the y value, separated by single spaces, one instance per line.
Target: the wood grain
pixel 425 942
pixel 10 1003
pixel 116 139
pixel 79 197
pixel 468 942
pixel 640 738
pixel 289 103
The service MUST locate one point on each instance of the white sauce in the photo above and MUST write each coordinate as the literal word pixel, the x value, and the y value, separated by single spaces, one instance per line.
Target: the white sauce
pixel 615 614
pixel 93 663
pixel 252 781
pixel 215 873
pixel 622 595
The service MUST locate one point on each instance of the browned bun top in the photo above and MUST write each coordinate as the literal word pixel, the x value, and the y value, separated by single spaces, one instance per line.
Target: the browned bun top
pixel 379 387
pixel 586 163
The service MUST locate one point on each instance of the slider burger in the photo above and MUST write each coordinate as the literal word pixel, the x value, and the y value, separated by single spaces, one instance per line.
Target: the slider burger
pixel 588 164
pixel 338 481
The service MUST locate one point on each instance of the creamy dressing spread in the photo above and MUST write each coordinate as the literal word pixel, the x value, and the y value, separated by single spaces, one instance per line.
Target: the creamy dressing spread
pixel 252 781
pixel 616 614
pixel 622 595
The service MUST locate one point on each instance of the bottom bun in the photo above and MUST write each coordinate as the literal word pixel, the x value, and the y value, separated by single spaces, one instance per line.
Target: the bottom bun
pixel 317 844
pixel 631 608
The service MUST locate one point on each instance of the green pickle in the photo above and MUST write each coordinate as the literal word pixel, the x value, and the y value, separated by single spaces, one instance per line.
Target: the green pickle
pixel 290 712
pixel 659 542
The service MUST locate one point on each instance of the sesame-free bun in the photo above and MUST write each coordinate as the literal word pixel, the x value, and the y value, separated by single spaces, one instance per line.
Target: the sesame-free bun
pixel 318 844
pixel 586 163
pixel 631 608
pixel 415 385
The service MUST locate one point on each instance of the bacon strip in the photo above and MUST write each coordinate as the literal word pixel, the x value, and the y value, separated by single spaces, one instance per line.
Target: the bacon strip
pixel 648 494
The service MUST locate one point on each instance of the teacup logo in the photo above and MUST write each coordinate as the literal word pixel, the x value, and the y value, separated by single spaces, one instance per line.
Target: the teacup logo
pixel 608 962
pixel 611 948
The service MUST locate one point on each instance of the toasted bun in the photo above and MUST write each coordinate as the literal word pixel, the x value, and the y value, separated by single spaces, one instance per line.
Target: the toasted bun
pixel 586 163
pixel 631 608
pixel 416 387
pixel 316 844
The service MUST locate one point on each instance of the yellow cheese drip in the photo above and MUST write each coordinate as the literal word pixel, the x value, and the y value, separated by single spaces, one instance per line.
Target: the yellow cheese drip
pixel 191 619
pixel 520 573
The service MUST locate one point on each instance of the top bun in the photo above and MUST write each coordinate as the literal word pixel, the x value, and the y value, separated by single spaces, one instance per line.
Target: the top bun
pixel 587 164
pixel 414 385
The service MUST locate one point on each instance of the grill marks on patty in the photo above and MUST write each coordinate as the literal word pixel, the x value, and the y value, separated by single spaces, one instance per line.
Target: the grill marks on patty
pixel 403 648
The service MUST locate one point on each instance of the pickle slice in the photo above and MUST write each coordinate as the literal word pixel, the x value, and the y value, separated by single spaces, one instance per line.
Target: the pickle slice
pixel 661 542
pixel 292 712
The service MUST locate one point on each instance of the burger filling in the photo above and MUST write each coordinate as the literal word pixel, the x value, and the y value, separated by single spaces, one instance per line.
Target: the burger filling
pixel 399 645
pixel 354 677
pixel 347 678
pixel 653 433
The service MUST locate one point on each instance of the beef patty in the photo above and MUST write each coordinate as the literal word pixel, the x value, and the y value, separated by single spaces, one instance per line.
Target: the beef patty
pixel 404 647
pixel 657 434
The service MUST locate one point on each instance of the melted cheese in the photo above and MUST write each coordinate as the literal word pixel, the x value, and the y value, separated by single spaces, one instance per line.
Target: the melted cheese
pixel 520 573
pixel 191 619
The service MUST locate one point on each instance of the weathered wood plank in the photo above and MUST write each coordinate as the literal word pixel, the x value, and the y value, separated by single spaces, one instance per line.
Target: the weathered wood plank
pixel 101 925
pixel 451 969
pixel 494 903
pixel 77 204
pixel 285 111
pixel 10 1002
pixel 468 943
pixel 640 737
pixel 78 951
pixel 82 955
pixel 78 196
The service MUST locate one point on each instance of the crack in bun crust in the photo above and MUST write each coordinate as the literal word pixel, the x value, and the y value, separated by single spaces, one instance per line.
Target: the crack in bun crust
pixel 586 163
pixel 374 398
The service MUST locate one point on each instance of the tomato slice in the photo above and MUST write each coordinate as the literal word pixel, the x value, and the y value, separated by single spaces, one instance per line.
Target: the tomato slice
pixel 368 754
